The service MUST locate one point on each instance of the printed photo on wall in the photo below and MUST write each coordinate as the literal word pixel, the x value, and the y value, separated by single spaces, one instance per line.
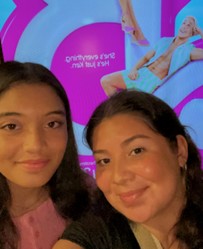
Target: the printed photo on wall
pixel 155 46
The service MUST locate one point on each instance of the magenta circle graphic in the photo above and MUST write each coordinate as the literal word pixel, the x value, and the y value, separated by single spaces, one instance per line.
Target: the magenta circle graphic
pixel 82 58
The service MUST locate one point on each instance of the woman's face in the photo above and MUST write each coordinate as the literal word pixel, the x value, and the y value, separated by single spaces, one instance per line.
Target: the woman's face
pixel 137 170
pixel 33 134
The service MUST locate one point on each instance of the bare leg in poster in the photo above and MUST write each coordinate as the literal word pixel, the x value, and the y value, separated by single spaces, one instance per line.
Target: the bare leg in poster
pixel 130 24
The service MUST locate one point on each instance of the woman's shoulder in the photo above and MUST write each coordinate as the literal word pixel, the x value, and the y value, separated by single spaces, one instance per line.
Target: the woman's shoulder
pixel 98 229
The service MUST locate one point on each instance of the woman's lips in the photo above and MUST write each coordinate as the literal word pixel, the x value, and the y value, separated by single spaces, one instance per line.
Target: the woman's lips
pixel 131 197
pixel 34 165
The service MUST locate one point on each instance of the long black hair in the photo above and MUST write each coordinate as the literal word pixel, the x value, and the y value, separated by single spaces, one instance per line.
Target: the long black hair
pixel 68 186
pixel 162 119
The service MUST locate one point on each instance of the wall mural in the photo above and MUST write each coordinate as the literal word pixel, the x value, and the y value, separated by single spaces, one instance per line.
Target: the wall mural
pixel 85 42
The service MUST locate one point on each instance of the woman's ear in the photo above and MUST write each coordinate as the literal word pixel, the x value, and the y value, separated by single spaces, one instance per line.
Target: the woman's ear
pixel 182 150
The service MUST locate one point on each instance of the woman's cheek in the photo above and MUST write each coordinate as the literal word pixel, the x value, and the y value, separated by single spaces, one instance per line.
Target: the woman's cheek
pixel 150 169
pixel 102 180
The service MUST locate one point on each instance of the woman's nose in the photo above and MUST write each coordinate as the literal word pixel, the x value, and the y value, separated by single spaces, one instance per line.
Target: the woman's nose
pixel 34 140
pixel 121 173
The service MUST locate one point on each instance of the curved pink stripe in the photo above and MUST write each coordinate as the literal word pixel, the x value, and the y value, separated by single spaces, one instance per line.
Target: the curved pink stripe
pixel 16 23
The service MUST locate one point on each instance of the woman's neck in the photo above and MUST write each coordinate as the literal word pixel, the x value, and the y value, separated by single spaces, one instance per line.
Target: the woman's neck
pixel 26 199
pixel 163 226
pixel 168 241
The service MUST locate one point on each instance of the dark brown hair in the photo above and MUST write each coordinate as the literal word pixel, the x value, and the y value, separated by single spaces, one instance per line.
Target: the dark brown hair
pixel 163 120
pixel 67 186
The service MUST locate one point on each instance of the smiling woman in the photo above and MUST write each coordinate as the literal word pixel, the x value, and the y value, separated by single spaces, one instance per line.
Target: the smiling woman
pixel 149 171
pixel 42 185
pixel 34 131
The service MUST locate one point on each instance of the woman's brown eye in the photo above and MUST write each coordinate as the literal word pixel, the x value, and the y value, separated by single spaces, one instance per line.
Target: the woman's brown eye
pixel 54 124
pixel 9 127
pixel 103 161
pixel 106 161
pixel 137 150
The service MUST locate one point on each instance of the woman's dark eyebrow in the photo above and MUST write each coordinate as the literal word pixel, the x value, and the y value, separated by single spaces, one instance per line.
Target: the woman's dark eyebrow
pixel 137 136
pixel 58 112
pixel 125 142
pixel 99 151
pixel 5 114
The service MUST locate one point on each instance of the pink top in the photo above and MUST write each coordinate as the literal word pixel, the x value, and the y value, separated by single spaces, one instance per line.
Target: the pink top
pixel 40 228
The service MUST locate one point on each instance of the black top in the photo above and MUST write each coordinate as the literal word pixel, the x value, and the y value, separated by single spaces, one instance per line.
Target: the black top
pixel 102 228
pixel 94 231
